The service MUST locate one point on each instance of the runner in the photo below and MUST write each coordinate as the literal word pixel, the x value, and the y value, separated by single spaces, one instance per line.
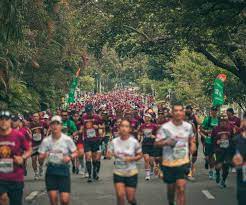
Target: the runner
pixel 177 139
pixel 234 121
pixel 107 124
pixel 59 149
pixel 191 118
pixel 207 126
pixel 38 133
pixel 92 141
pixel 223 149
pixel 69 128
pixel 14 149
pixel 147 133
pixel 126 150
pixel 239 161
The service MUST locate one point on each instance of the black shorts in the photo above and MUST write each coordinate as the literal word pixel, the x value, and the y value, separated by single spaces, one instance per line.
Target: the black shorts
pixel 92 146
pixel 14 191
pixel 208 149
pixel 172 174
pixel 58 183
pixel 128 181
pixel 35 150
pixel 158 152
pixel 224 156
pixel 106 140
pixel 148 149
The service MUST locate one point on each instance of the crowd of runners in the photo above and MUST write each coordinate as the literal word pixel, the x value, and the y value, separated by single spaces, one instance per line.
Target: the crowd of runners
pixel 127 127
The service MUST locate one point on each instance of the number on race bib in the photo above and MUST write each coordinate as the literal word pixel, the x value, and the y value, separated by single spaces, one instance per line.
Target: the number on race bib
pixel 91 133
pixel 120 164
pixel 37 137
pixel 224 144
pixel 6 165
pixel 55 158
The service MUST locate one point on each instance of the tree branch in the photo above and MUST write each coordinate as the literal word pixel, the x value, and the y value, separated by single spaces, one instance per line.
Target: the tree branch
pixel 215 61
pixel 137 31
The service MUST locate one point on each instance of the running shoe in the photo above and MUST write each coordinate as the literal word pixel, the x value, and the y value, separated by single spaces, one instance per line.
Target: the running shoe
pixel 210 175
pixel 147 178
pixel 222 184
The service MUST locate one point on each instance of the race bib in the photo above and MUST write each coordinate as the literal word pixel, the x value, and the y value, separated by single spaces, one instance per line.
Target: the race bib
pixel 224 144
pixel 76 139
pixel 120 164
pixel 208 140
pixel 56 158
pixel 91 133
pixel 147 133
pixel 6 165
pixel 244 172
pixel 37 137
pixel 179 151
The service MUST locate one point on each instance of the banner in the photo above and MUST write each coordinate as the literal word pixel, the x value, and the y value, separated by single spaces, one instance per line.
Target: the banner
pixel 218 94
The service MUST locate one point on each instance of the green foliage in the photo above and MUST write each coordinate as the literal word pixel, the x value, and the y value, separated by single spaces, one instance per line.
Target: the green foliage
pixel 86 83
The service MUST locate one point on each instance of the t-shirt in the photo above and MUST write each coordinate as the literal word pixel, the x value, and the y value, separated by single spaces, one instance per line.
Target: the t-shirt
pixel 224 134
pixel 38 132
pixel 89 132
pixel 57 149
pixel 148 130
pixel 178 154
pixel 12 145
pixel 208 124
pixel 69 127
pixel 125 148
pixel 235 121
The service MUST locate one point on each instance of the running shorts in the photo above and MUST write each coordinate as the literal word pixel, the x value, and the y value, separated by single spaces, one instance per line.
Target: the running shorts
pixel 131 181
pixel 14 191
pixel 58 183
pixel 172 174
pixel 148 149
pixel 209 149
pixel 92 146
pixel 224 156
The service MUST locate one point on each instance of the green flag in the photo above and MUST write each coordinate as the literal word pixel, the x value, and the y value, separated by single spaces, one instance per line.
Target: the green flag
pixel 72 90
pixel 218 94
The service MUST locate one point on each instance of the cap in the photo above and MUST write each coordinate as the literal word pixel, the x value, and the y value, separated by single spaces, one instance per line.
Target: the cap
pixel 56 118
pixel 15 118
pixel 46 116
pixel 5 114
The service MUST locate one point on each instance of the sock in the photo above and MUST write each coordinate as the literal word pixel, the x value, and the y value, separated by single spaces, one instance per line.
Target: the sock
pixel 147 171
pixel 217 172
pixel 98 166
pixel 81 161
pixel 88 167
pixel 94 168
pixel 225 172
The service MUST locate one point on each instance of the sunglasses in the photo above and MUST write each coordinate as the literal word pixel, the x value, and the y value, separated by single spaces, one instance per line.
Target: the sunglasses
pixel 5 115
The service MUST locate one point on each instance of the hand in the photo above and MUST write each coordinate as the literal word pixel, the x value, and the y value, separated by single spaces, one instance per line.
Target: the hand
pixel 18 160
pixel 95 126
pixel 237 160
pixel 66 159
pixel 128 159
pixel 170 142
pixel 152 136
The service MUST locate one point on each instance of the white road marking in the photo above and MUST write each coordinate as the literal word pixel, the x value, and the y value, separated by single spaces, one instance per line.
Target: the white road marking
pixel 32 195
pixel 208 194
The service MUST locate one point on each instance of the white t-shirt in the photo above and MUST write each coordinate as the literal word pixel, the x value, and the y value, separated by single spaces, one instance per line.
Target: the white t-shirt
pixel 57 149
pixel 125 148
pixel 178 154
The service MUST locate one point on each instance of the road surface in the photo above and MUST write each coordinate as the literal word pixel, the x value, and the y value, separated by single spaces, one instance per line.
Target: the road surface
pixel 200 192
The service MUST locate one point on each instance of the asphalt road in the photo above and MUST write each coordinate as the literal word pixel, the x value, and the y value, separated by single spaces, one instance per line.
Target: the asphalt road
pixel 200 192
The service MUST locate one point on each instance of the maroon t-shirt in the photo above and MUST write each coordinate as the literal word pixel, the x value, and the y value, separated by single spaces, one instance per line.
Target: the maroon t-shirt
pixel 12 145
pixel 235 121
pixel 89 132
pixel 38 131
pixel 148 129
pixel 224 134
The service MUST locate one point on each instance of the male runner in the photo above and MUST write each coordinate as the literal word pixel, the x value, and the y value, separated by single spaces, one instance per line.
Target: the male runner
pixel 14 149
pixel 38 133
pixel 208 124
pixel 177 139
pixel 222 137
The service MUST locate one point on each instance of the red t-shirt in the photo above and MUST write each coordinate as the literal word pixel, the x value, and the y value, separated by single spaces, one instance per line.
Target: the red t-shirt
pixel 12 145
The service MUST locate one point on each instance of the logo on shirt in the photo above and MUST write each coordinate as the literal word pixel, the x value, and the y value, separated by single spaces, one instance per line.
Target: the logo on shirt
pixel 5 151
